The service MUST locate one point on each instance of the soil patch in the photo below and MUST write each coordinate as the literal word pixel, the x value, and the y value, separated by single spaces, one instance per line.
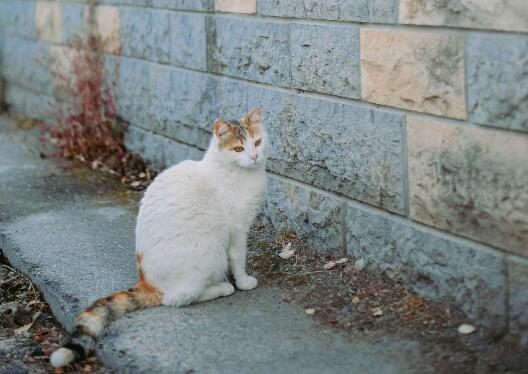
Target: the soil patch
pixel 356 301
pixel 29 332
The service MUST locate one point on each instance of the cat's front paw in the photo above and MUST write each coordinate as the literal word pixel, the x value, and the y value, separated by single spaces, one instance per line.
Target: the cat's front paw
pixel 246 283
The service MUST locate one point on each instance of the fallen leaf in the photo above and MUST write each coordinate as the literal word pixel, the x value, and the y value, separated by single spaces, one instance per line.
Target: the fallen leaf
pixel 342 260
pixel 333 321
pixel 309 311
pixel 466 329
pixel 286 248
pixel 330 265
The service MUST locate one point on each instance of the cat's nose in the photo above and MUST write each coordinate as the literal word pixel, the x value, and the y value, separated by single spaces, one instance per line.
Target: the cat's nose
pixel 254 157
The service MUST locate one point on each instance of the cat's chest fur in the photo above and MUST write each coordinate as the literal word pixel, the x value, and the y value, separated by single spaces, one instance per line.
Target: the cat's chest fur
pixel 239 194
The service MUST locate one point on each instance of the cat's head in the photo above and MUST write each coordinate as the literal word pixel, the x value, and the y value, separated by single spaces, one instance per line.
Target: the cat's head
pixel 243 142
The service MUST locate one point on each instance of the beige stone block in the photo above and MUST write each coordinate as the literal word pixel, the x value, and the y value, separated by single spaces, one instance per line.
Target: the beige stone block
pixel 107 21
pixel 419 71
pixel 508 15
pixel 236 6
pixel 48 21
pixel 470 181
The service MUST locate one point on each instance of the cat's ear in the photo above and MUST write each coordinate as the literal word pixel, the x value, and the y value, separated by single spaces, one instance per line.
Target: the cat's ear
pixel 221 128
pixel 254 118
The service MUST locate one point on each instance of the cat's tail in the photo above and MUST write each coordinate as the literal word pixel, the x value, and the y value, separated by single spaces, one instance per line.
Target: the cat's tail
pixel 91 323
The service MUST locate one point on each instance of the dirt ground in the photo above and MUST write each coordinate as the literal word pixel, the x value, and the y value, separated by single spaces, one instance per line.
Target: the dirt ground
pixel 29 331
pixel 358 302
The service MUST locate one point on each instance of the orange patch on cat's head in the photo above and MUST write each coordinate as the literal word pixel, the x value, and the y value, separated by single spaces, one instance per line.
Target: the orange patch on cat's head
pixel 232 133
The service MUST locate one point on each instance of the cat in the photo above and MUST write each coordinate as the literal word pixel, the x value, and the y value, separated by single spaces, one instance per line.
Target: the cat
pixel 191 230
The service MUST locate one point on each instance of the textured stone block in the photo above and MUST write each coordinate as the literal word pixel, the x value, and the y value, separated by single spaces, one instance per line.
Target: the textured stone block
pixel 188 41
pixel 180 104
pixel 470 181
pixel 435 265
pixel 48 21
pixel 354 10
pixel 518 301
pixel 201 5
pixel 249 49
pixel 314 216
pixel 137 3
pixel 134 92
pixel 236 6
pixel 145 34
pixel 23 64
pixel 161 152
pixel 30 104
pixel 497 69
pixel 74 20
pixel 508 15
pixel 177 104
pixel 414 70
pixel 352 150
pixel 17 18
pixel 326 59
pixel 229 101
pixel 107 21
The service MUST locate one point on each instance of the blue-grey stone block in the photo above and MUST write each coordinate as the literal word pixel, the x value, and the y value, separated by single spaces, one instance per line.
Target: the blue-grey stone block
pixel 518 300
pixel 138 3
pixel 134 92
pixel 160 151
pixel 25 63
pixel 435 265
pixel 30 104
pixel 18 18
pixel 315 216
pixel 188 41
pixel 229 101
pixel 383 11
pixel 180 104
pixel 145 34
pixel 147 145
pixel 348 149
pixel 200 5
pixel 497 81
pixel 73 20
pixel 326 59
pixel 249 49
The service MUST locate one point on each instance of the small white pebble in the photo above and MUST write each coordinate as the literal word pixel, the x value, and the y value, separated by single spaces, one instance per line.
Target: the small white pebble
pixel 309 311
pixel 466 329
pixel 330 265
pixel 342 260
pixel 355 300
pixel 377 312
pixel 359 264
pixel 286 254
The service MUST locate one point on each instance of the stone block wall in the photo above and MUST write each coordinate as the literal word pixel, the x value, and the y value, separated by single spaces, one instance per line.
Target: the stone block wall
pixel 399 127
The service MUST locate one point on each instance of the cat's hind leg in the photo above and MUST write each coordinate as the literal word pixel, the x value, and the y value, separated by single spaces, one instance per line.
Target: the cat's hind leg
pixel 217 290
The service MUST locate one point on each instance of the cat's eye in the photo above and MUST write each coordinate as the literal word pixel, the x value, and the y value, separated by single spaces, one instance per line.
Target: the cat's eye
pixel 257 143
pixel 238 149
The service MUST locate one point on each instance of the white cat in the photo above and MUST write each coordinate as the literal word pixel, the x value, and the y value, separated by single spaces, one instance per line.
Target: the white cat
pixel 191 230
